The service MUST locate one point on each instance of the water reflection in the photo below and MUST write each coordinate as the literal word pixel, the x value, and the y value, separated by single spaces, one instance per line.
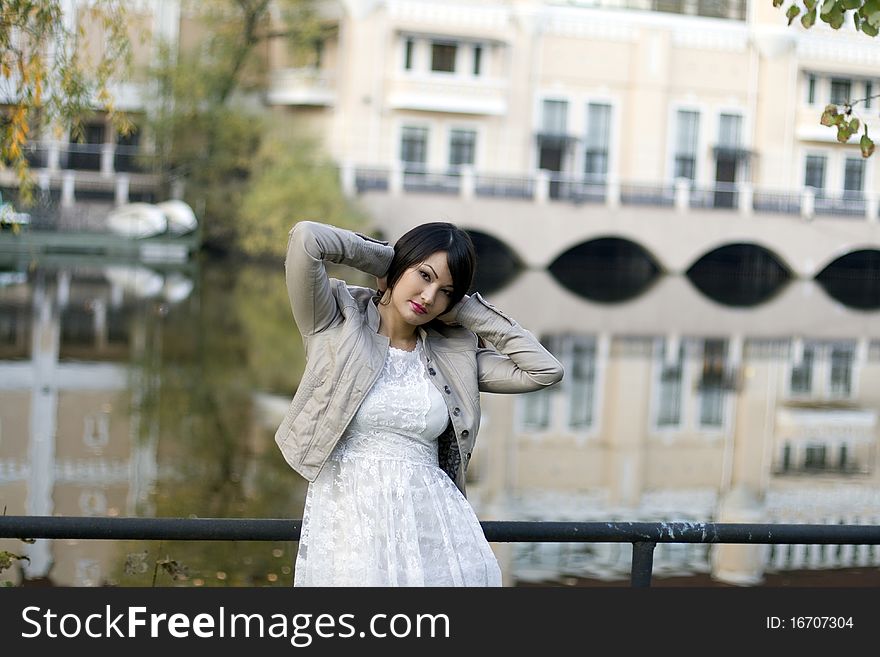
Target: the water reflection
pixel 854 279
pixel 147 391
pixel 608 269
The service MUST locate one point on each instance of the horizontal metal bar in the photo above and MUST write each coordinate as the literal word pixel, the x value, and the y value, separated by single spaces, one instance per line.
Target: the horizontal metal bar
pixel 268 529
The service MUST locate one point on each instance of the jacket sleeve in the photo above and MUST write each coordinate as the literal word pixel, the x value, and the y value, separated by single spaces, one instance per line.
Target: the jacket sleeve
pixel 518 362
pixel 310 244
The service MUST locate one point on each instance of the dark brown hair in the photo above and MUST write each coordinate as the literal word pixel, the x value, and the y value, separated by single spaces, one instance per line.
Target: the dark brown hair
pixel 417 244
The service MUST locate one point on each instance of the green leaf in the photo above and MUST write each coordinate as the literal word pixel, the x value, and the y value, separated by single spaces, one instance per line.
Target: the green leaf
pixel 829 116
pixel 854 126
pixel 843 134
pixel 809 19
pixel 871 11
pixel 866 144
pixel 810 4
pixel 827 6
pixel 869 29
pixel 857 20
pixel 836 18
pixel 850 4
pixel 792 13
pixel 778 3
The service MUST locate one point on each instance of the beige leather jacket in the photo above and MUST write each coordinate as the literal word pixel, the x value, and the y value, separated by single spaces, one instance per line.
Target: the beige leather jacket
pixel 345 354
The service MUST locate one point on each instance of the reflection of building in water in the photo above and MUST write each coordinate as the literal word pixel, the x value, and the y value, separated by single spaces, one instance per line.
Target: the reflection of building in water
pixel 675 409
pixel 69 422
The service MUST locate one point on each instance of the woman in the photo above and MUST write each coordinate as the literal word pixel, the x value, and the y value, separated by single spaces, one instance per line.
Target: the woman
pixel 385 417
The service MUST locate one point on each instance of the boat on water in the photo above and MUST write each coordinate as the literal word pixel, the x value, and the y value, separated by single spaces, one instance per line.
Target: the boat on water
pixel 137 220
pixel 180 217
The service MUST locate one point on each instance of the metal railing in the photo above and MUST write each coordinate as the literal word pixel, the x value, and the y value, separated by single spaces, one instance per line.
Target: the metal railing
pixel 561 187
pixel 644 536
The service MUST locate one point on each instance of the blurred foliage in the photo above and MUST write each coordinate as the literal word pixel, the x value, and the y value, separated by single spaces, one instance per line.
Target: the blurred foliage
pixel 212 129
pixel 52 75
pixel 865 17
pixel 290 181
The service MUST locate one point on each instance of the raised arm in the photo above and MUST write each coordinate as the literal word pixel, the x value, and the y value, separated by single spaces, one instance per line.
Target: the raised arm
pixel 311 244
pixel 518 362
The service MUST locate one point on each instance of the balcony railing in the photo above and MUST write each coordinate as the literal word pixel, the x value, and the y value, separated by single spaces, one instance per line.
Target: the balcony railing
pixel 547 186
pixel 644 536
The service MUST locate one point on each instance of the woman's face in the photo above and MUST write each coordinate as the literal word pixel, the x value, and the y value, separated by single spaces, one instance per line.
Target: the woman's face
pixel 423 291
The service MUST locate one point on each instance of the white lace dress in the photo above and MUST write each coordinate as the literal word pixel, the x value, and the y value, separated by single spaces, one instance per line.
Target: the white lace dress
pixel 382 512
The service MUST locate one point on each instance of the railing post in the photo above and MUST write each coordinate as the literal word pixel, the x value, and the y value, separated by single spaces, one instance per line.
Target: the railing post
pixel 642 564
pixel 808 203
pixel 871 207
pixel 107 153
pixel 682 194
pixel 347 179
pixel 468 182
pixel 612 193
pixel 746 199
pixel 177 187
pixel 542 186
pixel 53 157
pixel 121 188
pixel 395 180
pixel 67 189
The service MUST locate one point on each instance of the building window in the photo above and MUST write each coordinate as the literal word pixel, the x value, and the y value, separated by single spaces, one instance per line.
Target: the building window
pixel 687 129
pixel 462 147
pixel 729 130
pixel 414 149
pixel 869 91
pixel 853 177
pixel 582 383
pixel 841 375
pixel 814 457
pixel 478 59
pixel 598 137
pixel 535 410
pixel 670 393
pixel 801 382
pixel 554 117
pixel 443 57
pixel 841 90
pixel 814 174
pixel 825 371
pixel 408 48
pixel 811 89
pixel 712 383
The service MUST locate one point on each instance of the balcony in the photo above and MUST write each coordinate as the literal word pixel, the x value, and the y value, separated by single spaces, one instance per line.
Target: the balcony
pixel 302 86
pixel 451 94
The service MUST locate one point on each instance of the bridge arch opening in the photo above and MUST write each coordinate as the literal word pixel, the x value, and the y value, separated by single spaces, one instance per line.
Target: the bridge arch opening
pixel 606 270
pixel 854 279
pixel 497 264
pixel 739 274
